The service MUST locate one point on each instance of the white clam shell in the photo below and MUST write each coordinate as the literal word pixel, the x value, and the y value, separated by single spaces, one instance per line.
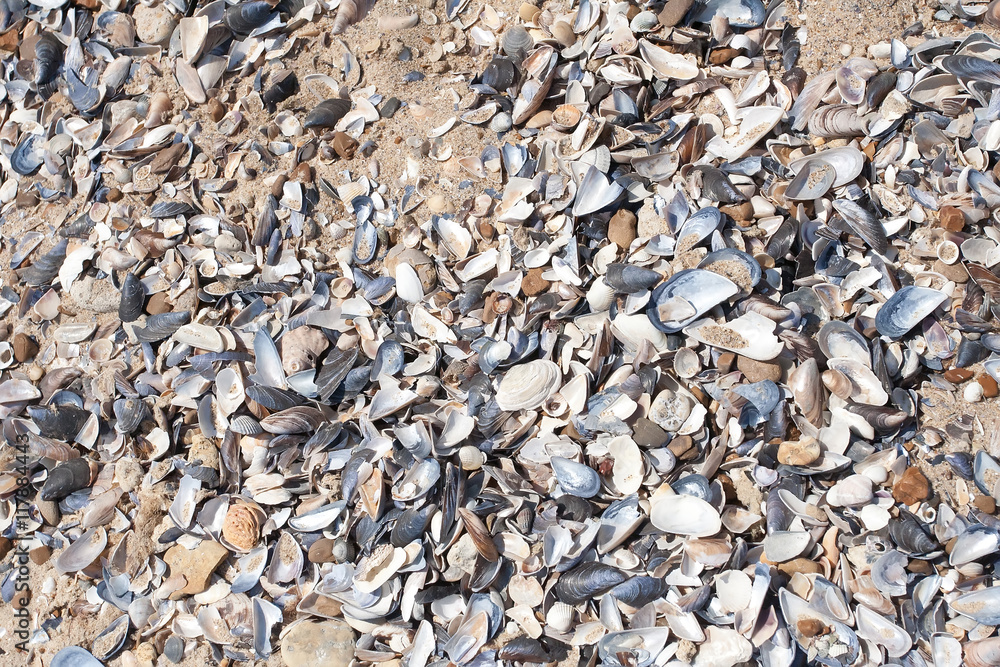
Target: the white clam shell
pixel 685 515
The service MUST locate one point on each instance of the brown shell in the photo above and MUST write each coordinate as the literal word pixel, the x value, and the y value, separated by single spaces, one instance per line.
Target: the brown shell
pixel 241 527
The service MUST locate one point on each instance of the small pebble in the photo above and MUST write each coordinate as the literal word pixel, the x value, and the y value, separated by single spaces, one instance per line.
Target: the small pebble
pixel 621 228
pixel 951 218
pixel 845 50
pixel 911 488
pixel 957 375
pixel 799 452
pixel 985 504
pixel 973 392
pixel 877 474
pixel 989 385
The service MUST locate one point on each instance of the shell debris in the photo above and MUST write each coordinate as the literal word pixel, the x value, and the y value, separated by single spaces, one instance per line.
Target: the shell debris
pixel 592 333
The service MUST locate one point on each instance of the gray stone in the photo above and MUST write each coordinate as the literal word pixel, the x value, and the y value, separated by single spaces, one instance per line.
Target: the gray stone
pixel 325 644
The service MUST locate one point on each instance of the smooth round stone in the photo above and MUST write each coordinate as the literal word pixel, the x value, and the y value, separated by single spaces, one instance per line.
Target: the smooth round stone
pixel 318 645
pixel 877 474
pixel 799 452
pixel 973 392
pixel 153 25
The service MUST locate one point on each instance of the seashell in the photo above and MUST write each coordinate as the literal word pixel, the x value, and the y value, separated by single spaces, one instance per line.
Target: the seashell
pixel 740 13
pixel 574 478
pixel 132 299
pixel 686 363
pixel 245 17
pixel 667 64
pixel 130 413
pixel 736 265
pixel 863 223
pixel 813 180
pixel 75 656
pixel 27 156
pixel 283 84
pixel 410 525
pixel 639 591
pixel 526 386
pixel 595 192
pixel 69 477
pixel 686 296
pixel 48 58
pixel 83 551
pixel 328 113
pixel 241 527
pixel 982 652
pixel 658 167
pixel 298 419
pixel 750 335
pixel 349 13
pixel 523 649
pixel 46 267
pixel 565 117
pixel 515 43
pixel 837 120
pixel 500 73
pixel 365 246
pixel 698 228
pixel 540 67
pixel 112 639
pixel 630 279
pixel 807 392
pixel 981 605
pixel 832 642
pixel 586 581
pixel 906 309
pixel 685 515
pixel 300 348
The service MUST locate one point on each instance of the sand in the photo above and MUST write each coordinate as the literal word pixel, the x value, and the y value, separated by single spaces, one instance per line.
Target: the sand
pixel 430 102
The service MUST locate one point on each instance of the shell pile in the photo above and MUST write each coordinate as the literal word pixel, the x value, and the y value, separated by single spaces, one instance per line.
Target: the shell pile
pixel 687 356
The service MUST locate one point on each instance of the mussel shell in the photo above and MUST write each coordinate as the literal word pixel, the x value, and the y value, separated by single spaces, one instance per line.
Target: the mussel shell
pixel 245 17
pixel 327 113
pixel 75 656
pixel 112 638
pixel 698 227
pixel 27 155
pixel 906 309
pixel 910 536
pixel 740 13
pixel 864 223
pixel 130 413
pixel 640 591
pixel 630 279
pixel 267 222
pixel 736 265
pixel 576 479
pixel 68 477
pixel 272 398
pixel 388 359
pixel 499 73
pixel 161 326
pixel 61 422
pixel 586 581
pixel 133 295
pixel 701 289
pixel 283 84
pixel 409 525
pixel 46 267
pixel 523 649
pixel 365 246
